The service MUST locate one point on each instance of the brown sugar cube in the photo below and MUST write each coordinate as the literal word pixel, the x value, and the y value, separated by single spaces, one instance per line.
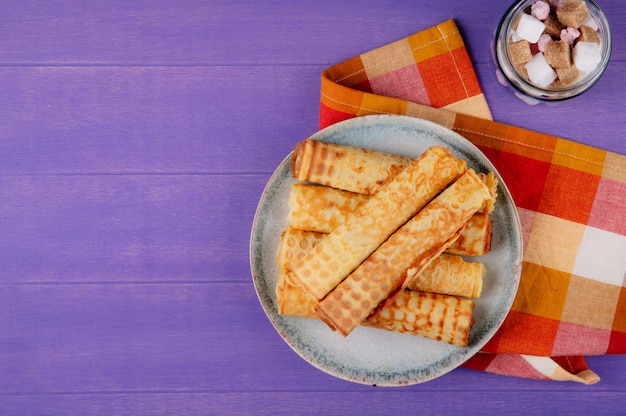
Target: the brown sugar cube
pixel 587 34
pixel 520 53
pixel 516 23
pixel 553 26
pixel 572 13
pixel 522 71
pixel 566 76
pixel 557 54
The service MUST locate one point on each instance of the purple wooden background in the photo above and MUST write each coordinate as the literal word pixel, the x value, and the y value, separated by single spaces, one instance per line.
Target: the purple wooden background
pixel 135 141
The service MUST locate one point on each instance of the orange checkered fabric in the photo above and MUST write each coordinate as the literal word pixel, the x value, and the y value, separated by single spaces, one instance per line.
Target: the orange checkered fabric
pixel 431 68
pixel 571 301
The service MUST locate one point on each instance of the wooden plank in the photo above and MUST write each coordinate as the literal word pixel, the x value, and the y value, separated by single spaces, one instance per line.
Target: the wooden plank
pixel 215 119
pixel 223 32
pixel 166 119
pixel 104 228
pixel 114 338
pixel 378 402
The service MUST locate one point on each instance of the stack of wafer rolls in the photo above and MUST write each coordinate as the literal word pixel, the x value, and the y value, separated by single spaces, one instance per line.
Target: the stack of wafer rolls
pixel 440 317
pixel 405 254
pixel 329 262
pixel 371 229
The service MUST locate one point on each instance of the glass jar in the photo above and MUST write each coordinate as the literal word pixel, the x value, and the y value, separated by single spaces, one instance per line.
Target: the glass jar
pixel 522 87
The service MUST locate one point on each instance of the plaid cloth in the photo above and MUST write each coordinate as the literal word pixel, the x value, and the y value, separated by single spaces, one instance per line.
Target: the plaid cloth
pixel 571 300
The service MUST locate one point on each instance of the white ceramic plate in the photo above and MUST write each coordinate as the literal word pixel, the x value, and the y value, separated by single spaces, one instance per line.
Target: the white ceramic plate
pixel 368 355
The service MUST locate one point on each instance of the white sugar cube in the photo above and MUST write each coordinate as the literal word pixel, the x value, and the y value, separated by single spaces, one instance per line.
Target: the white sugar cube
pixel 590 22
pixel 539 71
pixel 529 28
pixel 587 56
pixel 515 37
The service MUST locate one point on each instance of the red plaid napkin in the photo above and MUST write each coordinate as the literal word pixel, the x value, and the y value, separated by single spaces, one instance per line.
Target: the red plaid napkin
pixel 571 301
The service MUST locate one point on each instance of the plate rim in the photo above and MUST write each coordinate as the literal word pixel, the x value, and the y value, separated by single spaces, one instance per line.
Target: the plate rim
pixel 504 192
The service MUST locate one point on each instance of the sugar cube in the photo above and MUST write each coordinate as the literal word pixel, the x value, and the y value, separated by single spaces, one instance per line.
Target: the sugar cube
pixel 519 52
pixel 572 13
pixel 539 71
pixel 553 26
pixel 588 34
pixel 529 28
pixel 557 54
pixel 591 22
pixel 587 56
pixel 566 76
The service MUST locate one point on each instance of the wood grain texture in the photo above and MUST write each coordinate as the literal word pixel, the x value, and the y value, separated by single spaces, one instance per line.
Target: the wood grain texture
pixel 147 120
pixel 103 228
pixel 135 142
pixel 269 403
pixel 193 32
pixel 178 120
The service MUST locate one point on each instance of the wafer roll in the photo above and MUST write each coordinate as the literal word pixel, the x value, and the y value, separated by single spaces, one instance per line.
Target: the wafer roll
pixel 322 209
pixel 373 222
pixel 475 240
pixel 404 255
pixel 492 183
pixel 292 246
pixel 345 167
pixel 451 275
pixel 440 317
pixel 292 301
